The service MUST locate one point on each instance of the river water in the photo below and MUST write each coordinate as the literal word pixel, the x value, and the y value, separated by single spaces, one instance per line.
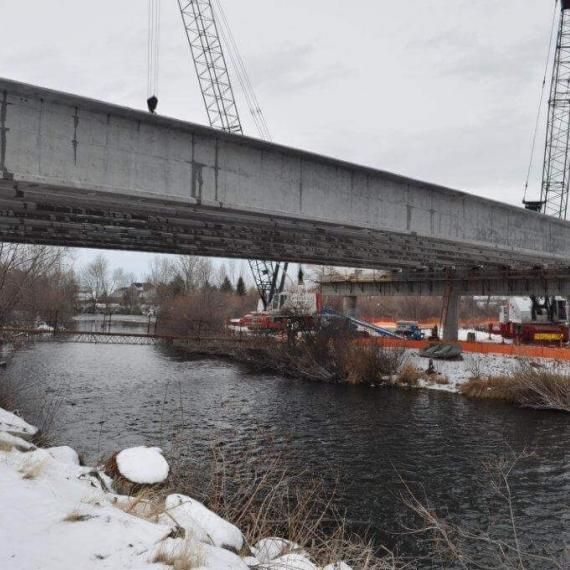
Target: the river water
pixel 368 440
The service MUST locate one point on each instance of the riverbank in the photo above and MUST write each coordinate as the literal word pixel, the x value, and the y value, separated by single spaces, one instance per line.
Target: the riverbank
pixel 57 513
pixel 538 382
pixel 361 441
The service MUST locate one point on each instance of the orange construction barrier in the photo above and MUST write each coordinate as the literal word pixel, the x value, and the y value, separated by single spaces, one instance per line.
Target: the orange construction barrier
pixel 523 351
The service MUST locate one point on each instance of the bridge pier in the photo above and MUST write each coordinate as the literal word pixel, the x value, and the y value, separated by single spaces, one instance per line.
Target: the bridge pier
pixel 349 305
pixel 450 323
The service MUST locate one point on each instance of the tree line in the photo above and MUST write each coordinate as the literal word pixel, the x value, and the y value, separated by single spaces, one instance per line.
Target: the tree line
pixel 40 283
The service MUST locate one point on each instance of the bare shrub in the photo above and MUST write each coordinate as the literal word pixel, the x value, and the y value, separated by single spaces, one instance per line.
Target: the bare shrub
pixel 372 364
pixel 263 497
pixel 528 387
pixel 409 375
pixel 201 312
pixel 439 379
pixel 492 388
pixel 542 389
pixel 492 544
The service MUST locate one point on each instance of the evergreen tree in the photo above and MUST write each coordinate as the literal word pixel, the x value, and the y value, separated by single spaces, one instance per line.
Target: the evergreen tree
pixel 226 286
pixel 240 287
pixel 301 276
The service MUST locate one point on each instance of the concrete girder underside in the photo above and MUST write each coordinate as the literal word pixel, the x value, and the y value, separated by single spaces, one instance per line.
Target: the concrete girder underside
pixel 71 217
pixel 84 173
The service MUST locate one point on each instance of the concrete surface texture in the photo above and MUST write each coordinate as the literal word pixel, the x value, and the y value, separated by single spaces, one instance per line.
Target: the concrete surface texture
pixel 78 172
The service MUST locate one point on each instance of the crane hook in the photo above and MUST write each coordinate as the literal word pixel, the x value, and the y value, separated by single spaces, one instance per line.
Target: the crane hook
pixel 152 103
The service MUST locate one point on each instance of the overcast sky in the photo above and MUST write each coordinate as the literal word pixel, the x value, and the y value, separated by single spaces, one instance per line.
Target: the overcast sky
pixel 441 90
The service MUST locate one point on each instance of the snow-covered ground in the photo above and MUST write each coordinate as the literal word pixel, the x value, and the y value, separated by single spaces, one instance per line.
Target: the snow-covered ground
pixel 56 515
pixel 476 364
pixel 481 336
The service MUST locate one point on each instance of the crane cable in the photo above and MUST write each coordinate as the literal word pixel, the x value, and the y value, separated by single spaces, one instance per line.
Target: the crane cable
pixel 535 132
pixel 153 53
pixel 242 75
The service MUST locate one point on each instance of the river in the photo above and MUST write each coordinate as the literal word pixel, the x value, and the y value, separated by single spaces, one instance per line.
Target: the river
pixel 112 396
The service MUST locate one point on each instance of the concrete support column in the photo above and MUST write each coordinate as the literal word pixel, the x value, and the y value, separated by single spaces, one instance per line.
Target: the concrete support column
pixel 451 316
pixel 349 306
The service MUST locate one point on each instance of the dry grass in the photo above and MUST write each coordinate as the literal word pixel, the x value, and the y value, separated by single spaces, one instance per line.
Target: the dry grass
pixel 439 379
pixel 370 364
pixel 263 498
pixel 76 516
pixel 409 375
pixel 527 387
pixel 146 504
pixel 184 556
pixel 5 446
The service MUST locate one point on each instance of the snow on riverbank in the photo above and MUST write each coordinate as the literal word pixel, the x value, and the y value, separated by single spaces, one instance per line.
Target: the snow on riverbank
pixel 474 364
pixel 15 425
pixel 56 514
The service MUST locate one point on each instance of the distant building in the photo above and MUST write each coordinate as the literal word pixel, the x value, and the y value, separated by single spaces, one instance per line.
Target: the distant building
pixel 85 295
pixel 142 292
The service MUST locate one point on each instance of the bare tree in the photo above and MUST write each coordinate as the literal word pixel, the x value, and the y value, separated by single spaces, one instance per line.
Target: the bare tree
pixel 20 267
pixel 196 272
pixel 97 277
pixel 162 270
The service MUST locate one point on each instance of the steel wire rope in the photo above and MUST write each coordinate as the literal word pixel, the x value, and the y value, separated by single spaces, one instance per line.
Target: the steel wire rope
pixel 242 74
pixel 153 47
pixel 538 113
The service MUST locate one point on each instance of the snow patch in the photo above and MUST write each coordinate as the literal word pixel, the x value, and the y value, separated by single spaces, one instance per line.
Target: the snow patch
pixel 64 454
pixel 15 425
pixel 201 523
pixel 144 465
pixel 290 562
pixel 476 364
pixel 200 555
pixel 10 440
pixel 269 548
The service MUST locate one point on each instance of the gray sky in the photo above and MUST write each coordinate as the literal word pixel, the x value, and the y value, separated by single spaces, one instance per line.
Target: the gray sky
pixel 441 90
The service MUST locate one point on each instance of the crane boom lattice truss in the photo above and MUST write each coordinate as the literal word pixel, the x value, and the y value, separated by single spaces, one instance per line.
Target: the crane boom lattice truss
pixel 215 84
pixel 556 167
pixel 210 64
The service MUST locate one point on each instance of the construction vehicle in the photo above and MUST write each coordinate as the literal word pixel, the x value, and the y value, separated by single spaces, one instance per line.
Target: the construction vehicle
pixel 409 329
pixel 298 308
pixel 528 320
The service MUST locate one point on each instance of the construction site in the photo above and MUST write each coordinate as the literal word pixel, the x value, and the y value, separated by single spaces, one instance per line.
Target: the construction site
pixel 222 352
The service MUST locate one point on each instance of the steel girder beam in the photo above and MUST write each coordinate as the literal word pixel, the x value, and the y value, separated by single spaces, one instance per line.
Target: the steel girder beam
pixel 435 284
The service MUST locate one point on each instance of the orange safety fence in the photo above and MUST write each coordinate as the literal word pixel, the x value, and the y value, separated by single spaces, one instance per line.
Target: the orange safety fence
pixel 525 351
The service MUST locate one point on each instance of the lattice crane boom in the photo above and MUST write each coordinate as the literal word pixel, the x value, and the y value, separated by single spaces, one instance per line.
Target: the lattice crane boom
pixel 556 166
pixel 215 83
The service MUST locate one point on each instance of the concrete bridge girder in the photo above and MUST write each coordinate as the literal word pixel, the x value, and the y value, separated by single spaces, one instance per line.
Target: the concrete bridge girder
pixel 476 286
pixel 83 173
pixel 451 290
